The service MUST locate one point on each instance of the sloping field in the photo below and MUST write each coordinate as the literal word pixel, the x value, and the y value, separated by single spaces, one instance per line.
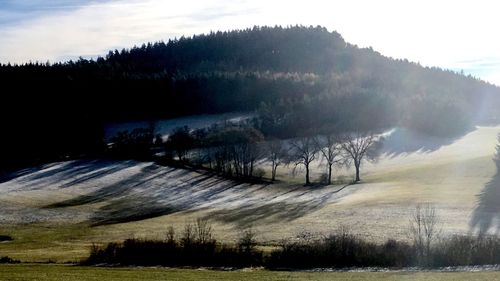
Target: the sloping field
pixel 56 211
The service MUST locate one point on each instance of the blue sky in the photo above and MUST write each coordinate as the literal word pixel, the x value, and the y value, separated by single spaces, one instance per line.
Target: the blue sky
pixel 15 11
pixel 450 34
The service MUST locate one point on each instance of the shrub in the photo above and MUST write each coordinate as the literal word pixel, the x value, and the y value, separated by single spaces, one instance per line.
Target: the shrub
pixel 323 178
pixel 339 250
pixel 467 250
pixel 343 179
pixel 8 260
pixel 196 247
pixel 5 238
pixel 247 242
pixel 259 173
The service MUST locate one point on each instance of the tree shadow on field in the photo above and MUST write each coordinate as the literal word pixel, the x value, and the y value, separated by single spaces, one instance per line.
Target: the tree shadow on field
pixel 122 211
pixel 293 204
pixel 486 215
pixel 405 141
pixel 109 192
pixel 67 174
pixel 152 192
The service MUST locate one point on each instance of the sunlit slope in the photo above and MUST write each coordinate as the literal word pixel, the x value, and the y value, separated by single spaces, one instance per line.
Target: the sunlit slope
pixel 451 174
pixel 60 209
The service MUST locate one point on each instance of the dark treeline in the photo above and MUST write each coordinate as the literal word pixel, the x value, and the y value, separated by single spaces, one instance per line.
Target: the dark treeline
pixel 300 79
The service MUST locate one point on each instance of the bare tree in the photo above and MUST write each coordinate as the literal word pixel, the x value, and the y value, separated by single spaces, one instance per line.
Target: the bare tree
pixel 170 235
pixel 181 141
pixel 331 150
pixel 245 149
pixel 276 155
pixel 234 150
pixel 188 237
pixel 357 146
pixel 424 229
pixel 303 152
pixel 204 231
pixel 247 241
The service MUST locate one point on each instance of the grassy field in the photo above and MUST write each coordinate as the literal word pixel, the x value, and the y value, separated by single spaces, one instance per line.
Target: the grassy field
pixel 45 242
pixel 56 212
pixel 63 272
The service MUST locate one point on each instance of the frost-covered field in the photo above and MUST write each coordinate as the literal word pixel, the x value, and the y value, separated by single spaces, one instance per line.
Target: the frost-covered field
pixel 113 200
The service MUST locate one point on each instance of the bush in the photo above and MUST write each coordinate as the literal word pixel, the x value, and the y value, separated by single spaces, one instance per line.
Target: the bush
pixel 467 250
pixel 323 178
pixel 397 254
pixel 259 173
pixel 196 247
pixel 247 242
pixel 340 250
pixel 8 260
pixel 5 238
pixel 247 249
pixel 342 179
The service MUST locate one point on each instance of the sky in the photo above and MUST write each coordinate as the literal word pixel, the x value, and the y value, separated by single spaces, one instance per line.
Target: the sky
pixel 457 35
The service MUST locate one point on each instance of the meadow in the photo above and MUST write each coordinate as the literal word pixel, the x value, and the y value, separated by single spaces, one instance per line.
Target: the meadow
pixel 57 211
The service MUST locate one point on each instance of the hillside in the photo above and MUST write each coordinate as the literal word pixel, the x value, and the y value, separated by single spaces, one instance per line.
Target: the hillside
pixel 75 168
pixel 298 79
pixel 56 211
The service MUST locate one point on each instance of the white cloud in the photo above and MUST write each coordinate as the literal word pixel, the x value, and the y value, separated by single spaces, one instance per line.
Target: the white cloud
pixel 438 33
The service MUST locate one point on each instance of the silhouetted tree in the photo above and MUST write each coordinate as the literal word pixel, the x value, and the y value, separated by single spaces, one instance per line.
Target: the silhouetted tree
pixel 303 152
pixel 136 144
pixel 246 150
pixel 276 155
pixel 331 149
pixel 158 142
pixel 181 141
pixel 357 146
pixel 234 150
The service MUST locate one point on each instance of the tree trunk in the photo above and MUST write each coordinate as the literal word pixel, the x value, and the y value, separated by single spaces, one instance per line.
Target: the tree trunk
pixel 307 175
pixel 273 171
pixel 357 172
pixel 330 174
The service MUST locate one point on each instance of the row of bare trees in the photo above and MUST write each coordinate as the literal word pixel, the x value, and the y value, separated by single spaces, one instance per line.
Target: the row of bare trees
pixel 237 150
pixel 229 150
pixel 334 149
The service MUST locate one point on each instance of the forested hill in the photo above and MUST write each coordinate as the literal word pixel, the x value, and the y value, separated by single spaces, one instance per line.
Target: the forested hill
pixel 296 78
